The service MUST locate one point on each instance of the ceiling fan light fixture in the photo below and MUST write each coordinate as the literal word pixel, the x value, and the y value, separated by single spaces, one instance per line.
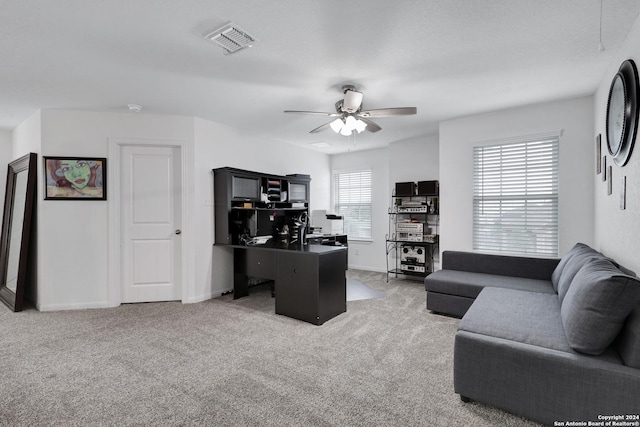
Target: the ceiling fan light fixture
pixel 350 122
pixel 352 101
pixel 360 125
pixel 336 125
pixel 350 116
pixel 345 131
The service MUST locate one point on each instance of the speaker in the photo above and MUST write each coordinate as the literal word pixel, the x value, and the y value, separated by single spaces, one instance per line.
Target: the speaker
pixel 405 189
pixel 428 188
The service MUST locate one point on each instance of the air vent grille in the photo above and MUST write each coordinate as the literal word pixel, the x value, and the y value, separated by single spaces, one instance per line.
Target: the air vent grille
pixel 231 38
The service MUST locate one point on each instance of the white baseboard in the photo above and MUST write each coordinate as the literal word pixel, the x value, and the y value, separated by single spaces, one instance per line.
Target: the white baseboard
pixel 105 304
pixel 73 306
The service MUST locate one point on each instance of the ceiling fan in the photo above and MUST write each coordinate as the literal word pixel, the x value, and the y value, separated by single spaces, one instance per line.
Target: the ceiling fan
pixel 349 115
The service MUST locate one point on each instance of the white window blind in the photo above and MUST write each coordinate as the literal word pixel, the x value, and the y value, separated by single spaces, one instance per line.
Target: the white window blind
pixel 352 200
pixel 515 197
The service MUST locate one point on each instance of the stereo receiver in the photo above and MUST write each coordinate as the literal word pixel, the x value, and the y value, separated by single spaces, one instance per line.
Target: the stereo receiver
pixel 413 268
pixel 412 209
pixel 409 237
pixel 412 227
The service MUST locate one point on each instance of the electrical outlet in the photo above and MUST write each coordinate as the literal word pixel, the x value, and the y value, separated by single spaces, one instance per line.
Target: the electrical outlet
pixel 357 251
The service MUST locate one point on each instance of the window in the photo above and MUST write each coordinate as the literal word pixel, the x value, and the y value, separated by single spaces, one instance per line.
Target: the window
pixel 352 200
pixel 515 197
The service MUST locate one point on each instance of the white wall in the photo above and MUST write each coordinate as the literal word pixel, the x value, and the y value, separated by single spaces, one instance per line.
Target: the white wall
pixel 616 230
pixel 217 146
pixel 458 137
pixel 27 137
pixel 73 253
pixel 6 157
pixel 72 239
pixel 410 160
pixel 414 160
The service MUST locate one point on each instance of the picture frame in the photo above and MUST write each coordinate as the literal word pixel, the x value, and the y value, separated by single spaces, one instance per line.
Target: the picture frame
pixel 604 168
pixel 610 180
pixel 75 178
pixel 623 194
pixel 599 154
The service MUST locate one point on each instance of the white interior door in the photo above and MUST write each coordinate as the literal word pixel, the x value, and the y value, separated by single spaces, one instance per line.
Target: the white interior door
pixel 151 206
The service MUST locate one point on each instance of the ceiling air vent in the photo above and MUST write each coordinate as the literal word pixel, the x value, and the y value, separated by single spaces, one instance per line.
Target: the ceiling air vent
pixel 231 38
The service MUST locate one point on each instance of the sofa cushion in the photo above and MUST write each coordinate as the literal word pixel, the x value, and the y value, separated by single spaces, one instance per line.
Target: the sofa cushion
pixel 596 305
pixel 526 317
pixel 466 284
pixel 503 265
pixel 575 258
pixel 578 256
pixel 555 276
pixel 628 341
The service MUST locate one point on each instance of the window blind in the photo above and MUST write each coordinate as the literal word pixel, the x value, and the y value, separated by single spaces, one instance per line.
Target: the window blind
pixel 515 197
pixel 352 200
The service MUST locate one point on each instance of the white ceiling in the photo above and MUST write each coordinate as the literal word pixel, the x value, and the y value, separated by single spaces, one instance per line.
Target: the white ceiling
pixel 448 58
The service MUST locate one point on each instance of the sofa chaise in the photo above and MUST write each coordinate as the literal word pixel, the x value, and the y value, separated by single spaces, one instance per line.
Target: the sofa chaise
pixel 549 340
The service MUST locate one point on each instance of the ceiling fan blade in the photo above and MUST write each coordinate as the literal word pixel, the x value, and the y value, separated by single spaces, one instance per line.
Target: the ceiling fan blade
pixel 315 113
pixel 371 126
pixel 388 112
pixel 321 128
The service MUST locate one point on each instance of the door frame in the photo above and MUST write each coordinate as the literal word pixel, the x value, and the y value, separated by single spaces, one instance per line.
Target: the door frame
pixel 114 206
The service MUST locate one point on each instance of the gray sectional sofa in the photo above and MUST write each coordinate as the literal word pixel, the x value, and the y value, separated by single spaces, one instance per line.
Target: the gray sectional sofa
pixel 549 340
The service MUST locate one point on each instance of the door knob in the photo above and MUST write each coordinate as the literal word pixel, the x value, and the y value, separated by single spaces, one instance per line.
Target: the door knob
pixel 178 231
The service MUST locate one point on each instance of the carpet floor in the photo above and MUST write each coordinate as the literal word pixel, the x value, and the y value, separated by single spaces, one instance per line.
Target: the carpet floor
pixel 223 362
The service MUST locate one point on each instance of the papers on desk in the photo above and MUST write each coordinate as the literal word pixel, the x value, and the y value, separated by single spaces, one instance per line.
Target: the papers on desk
pixel 261 240
pixel 252 241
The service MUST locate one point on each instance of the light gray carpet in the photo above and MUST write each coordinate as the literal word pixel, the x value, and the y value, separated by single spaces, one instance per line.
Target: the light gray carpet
pixel 385 362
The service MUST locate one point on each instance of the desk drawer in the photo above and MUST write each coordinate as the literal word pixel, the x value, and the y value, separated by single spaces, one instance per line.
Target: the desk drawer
pixel 297 286
pixel 260 264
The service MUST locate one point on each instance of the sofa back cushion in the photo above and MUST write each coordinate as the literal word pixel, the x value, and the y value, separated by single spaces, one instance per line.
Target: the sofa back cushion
pixel 555 276
pixel 628 342
pixel 569 265
pixel 596 304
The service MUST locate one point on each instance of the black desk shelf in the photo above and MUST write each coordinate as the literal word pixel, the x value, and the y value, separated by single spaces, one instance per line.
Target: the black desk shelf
pixel 256 204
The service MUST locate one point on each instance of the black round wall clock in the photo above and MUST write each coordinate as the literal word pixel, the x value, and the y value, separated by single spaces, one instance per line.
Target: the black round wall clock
pixel 622 112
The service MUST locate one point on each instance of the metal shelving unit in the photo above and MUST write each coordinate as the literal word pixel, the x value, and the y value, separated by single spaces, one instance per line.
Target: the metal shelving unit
pixel 413 237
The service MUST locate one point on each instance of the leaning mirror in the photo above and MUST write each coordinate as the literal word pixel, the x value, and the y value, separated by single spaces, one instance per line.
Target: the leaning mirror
pixel 16 228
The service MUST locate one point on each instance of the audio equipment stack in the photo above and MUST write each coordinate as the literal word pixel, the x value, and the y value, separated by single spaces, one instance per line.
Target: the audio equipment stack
pixel 413 258
pixel 414 218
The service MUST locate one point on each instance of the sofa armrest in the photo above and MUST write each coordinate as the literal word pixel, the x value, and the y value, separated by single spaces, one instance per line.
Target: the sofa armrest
pixel 503 265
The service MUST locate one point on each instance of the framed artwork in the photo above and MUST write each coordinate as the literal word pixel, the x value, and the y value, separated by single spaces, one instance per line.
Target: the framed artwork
pixel 75 178
pixel 599 154
pixel 604 168
pixel 610 180
pixel 623 194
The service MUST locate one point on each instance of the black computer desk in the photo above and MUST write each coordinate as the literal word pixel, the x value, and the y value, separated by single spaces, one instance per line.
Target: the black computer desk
pixel 310 280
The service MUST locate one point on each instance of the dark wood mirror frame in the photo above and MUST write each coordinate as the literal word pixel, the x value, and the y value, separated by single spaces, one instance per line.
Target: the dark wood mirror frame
pixel 14 300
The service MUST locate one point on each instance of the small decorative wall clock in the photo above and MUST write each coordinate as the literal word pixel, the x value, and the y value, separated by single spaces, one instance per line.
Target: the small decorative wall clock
pixel 622 112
